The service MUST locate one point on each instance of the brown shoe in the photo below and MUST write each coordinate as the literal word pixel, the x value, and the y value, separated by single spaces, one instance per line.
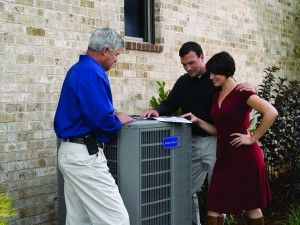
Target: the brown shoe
pixel 211 220
pixel 258 221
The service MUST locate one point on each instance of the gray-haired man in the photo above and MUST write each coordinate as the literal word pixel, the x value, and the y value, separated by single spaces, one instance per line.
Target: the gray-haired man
pixel 85 119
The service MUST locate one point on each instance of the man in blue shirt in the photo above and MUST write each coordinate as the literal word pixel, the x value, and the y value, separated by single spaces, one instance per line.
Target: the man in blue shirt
pixel 85 120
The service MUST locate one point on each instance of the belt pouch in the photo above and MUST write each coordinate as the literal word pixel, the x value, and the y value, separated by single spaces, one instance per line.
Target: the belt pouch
pixel 91 144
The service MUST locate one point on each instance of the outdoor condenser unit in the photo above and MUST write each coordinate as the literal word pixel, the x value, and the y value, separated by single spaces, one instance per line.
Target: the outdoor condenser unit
pixel 151 163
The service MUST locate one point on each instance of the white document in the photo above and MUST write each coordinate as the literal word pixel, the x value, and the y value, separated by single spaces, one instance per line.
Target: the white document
pixel 172 119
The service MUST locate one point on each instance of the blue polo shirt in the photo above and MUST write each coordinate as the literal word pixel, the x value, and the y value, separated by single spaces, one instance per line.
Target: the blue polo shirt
pixel 85 104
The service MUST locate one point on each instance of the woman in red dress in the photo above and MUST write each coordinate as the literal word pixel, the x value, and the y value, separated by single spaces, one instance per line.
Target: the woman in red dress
pixel 239 181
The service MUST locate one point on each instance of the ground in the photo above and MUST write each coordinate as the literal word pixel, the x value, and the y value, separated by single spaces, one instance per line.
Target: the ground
pixel 275 213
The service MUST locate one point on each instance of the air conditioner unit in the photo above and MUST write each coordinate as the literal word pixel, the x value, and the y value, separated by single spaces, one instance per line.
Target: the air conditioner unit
pixel 151 163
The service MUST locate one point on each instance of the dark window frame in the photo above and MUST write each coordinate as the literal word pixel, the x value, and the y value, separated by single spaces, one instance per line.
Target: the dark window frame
pixel 148 22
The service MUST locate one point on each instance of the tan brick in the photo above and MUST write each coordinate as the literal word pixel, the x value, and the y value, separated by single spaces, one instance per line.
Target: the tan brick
pixel 61 7
pixel 25 2
pixel 46 4
pixel 34 31
pixel 7 117
pixel 87 3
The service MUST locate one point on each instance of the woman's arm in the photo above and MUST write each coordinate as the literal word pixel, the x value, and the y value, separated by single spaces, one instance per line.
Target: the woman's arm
pixel 269 114
pixel 209 128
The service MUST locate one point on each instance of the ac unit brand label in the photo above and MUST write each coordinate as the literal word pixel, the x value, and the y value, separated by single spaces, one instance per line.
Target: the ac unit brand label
pixel 171 142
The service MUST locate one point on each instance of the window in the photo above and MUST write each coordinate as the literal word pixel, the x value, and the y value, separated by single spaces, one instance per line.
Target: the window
pixel 139 20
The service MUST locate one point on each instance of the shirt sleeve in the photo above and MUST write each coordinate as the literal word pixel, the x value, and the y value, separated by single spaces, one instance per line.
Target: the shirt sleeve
pixel 246 95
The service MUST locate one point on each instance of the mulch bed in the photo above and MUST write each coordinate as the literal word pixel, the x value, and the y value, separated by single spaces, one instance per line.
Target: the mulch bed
pixel 276 212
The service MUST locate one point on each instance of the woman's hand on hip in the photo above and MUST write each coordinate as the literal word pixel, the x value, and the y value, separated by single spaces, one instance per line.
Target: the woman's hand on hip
pixel 241 139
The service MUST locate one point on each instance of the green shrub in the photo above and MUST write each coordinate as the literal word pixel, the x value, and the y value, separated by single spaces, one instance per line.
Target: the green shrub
pixel 6 209
pixel 162 95
pixel 293 217
pixel 281 142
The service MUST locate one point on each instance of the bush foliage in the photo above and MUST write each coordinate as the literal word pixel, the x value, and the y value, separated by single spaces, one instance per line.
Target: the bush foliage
pixel 162 95
pixel 281 142
pixel 293 217
pixel 6 209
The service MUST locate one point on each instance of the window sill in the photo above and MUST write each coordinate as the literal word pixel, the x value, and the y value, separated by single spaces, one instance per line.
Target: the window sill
pixel 147 47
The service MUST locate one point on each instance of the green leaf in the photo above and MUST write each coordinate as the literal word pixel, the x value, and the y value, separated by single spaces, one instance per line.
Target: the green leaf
pixel 162 94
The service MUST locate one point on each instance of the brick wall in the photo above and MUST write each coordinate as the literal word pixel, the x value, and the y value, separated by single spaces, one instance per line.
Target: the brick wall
pixel 39 40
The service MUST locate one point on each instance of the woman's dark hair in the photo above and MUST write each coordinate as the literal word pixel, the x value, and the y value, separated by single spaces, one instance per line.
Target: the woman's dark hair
pixel 221 63
pixel 190 46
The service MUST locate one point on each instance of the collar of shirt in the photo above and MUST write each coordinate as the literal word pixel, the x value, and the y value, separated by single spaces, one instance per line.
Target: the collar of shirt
pixel 90 59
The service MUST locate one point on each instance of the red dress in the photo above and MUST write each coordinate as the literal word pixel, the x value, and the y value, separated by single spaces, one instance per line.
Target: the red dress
pixel 239 181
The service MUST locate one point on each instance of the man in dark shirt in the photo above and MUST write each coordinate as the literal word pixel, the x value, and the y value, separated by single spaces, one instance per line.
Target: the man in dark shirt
pixel 85 120
pixel 193 92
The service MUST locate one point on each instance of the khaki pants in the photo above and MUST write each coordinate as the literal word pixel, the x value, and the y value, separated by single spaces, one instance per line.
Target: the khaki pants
pixel 203 161
pixel 91 194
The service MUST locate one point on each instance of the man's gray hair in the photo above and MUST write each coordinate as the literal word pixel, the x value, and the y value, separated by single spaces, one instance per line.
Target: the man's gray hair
pixel 105 38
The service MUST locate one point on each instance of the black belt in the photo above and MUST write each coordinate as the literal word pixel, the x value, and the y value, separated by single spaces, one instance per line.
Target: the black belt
pixel 205 135
pixel 80 140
